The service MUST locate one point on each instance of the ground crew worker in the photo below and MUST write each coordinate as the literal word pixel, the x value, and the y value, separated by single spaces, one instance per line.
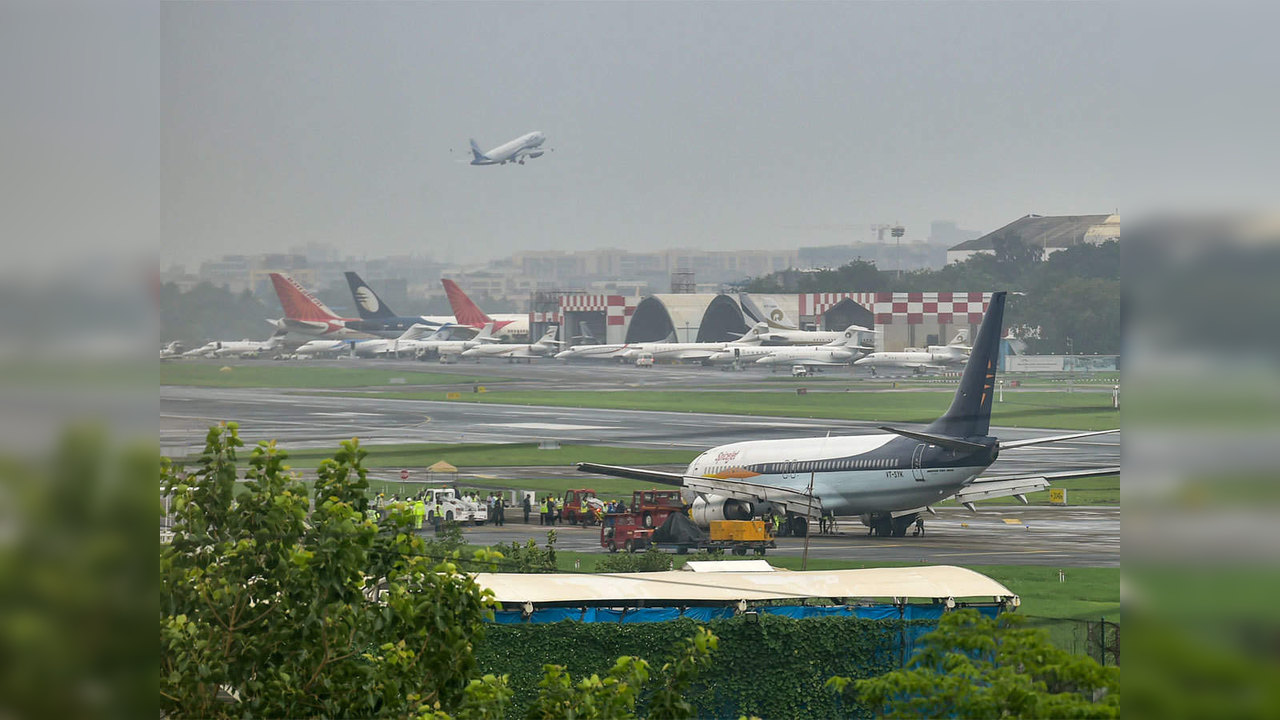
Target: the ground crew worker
pixel 499 515
pixel 419 513
pixel 544 516
pixel 527 508
pixel 439 516
pixel 919 526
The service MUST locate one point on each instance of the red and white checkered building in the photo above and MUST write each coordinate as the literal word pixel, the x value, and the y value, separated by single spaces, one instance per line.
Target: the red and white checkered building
pixel 905 319
pixel 616 309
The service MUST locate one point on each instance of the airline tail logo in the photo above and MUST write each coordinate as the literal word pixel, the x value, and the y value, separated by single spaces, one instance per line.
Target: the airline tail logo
pixel 367 299
pixel 476 155
pixel 467 312
pixel 298 302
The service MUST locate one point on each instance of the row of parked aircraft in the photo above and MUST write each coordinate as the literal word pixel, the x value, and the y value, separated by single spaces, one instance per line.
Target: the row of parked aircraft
pixel 379 331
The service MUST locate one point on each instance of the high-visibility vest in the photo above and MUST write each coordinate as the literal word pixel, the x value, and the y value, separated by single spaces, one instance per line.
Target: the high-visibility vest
pixel 543 507
pixel 419 511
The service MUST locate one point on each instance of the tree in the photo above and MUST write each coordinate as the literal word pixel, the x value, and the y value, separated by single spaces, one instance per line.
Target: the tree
pixel 268 610
pixel 975 667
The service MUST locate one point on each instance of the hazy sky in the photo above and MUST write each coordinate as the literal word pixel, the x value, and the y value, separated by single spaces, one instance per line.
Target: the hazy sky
pixel 718 126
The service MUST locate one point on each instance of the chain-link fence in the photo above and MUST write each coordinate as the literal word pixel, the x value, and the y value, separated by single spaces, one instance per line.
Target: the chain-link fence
pixel 1099 639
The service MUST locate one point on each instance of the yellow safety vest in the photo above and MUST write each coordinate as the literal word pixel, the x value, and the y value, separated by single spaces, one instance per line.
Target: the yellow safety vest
pixel 543 507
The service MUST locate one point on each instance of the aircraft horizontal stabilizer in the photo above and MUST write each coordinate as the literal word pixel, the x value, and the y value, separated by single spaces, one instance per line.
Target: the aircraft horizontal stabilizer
pixel 945 441
pixel 1009 445
pixel 657 476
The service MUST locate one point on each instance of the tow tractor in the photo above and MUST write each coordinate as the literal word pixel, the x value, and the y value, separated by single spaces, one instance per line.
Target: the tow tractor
pixel 653 506
pixel 454 508
pixel 582 507
pixel 680 534
pixel 625 531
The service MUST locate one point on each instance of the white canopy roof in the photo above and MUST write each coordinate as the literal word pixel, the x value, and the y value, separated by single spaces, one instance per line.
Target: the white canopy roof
pixel 722 566
pixel 939 581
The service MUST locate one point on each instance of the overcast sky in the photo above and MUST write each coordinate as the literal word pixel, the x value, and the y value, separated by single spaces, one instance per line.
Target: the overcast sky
pixel 716 126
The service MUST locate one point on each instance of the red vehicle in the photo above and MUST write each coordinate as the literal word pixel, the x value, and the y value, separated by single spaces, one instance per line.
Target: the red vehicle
pixel 624 530
pixel 653 506
pixel 577 507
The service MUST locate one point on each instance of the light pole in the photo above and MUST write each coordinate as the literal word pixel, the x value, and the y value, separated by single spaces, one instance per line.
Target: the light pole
pixel 897 231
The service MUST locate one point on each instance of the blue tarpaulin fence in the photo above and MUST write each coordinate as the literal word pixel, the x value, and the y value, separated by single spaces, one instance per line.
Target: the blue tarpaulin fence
pixel 703 614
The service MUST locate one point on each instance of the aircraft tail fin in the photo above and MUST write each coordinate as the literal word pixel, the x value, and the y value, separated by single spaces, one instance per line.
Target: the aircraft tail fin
pixel 298 302
pixel 970 411
pixel 549 337
pixel 368 304
pixel 486 333
pixel 416 331
pixel 464 310
pixel 961 339
pixel 585 331
pixel 476 154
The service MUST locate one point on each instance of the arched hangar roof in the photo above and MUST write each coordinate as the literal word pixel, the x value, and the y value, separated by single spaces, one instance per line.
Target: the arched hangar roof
pixel 658 317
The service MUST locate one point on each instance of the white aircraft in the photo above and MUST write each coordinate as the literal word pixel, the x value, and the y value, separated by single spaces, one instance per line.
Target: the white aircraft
pixel 847 346
pixel 515 151
pixel 934 357
pixel 242 348
pixel 609 351
pixel 767 334
pixel 323 347
pixel 888 479
pixel 173 349
pixel 392 346
pixel 545 347
pixel 437 345
pixel 466 312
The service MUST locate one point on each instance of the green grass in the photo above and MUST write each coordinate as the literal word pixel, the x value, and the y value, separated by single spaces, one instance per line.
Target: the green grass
pixel 1080 492
pixel 293 376
pixel 1056 410
pixel 474 455
pixel 1087 593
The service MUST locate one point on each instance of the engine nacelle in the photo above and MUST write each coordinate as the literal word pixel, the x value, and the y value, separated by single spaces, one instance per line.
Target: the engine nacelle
pixel 717 507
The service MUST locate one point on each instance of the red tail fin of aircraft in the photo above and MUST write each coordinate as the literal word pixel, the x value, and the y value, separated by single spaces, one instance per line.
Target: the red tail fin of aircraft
pixel 464 311
pixel 298 302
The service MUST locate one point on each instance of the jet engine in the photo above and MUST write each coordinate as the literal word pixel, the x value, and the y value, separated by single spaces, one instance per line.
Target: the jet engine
pixel 717 507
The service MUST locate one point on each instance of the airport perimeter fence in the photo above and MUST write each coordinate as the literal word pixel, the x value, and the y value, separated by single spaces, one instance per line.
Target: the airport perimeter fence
pixel 1099 639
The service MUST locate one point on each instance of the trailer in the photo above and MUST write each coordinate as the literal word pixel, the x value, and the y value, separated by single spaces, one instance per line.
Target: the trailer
pixel 737 537
pixel 624 531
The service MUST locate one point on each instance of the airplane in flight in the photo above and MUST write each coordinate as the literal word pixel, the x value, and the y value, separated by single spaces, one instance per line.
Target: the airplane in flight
pixel 466 312
pixel 933 357
pixel 887 479
pixel 527 145
pixel 546 346
pixel 841 351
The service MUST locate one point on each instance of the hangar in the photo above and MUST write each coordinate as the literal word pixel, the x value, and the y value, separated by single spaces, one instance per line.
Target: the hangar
pixel 905 319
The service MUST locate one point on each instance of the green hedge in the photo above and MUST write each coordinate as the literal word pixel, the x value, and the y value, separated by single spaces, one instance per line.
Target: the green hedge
pixel 771 669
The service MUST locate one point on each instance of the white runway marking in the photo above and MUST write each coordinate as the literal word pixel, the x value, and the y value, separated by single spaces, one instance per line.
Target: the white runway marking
pixel 554 426
pixel 347 414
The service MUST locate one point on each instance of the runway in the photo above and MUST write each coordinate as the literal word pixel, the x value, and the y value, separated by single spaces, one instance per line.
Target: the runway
pixel 1047 536
pixel 303 421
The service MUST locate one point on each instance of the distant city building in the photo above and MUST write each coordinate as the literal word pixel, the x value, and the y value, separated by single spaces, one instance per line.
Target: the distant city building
pixel 1051 233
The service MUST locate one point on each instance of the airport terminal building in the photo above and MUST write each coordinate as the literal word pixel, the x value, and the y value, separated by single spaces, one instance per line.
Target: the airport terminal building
pixel 904 319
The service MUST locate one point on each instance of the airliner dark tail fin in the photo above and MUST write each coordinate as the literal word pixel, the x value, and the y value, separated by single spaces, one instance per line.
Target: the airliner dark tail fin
pixel 368 304
pixel 970 411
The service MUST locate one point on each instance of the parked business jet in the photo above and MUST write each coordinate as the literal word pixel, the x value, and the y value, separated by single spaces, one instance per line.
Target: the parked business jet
pixel 466 312
pixel 841 351
pixel 887 479
pixel 171 350
pixel 322 346
pixel 767 334
pixel 439 344
pixel 545 347
pixel 384 347
pixel 934 357
pixel 239 348
pixel 515 151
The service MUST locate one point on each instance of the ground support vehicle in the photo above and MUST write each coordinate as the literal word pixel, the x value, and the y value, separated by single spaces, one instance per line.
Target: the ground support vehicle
pixel 582 507
pixel 624 531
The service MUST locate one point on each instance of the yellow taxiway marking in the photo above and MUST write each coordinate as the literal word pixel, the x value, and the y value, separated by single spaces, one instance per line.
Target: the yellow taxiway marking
pixel 1012 521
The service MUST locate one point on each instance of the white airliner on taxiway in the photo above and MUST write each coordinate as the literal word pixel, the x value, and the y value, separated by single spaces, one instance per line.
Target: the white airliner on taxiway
pixel 888 479
pixel 515 151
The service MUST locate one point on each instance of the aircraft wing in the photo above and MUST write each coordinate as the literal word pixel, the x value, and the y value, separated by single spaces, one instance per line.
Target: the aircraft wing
pixel 814 362
pixel 793 500
pixel 690 354
pixel 985 488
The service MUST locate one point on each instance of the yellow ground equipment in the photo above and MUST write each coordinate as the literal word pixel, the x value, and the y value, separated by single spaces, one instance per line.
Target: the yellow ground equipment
pixel 739 531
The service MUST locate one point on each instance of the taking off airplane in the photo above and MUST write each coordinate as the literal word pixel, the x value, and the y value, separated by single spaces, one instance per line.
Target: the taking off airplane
pixel 527 145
